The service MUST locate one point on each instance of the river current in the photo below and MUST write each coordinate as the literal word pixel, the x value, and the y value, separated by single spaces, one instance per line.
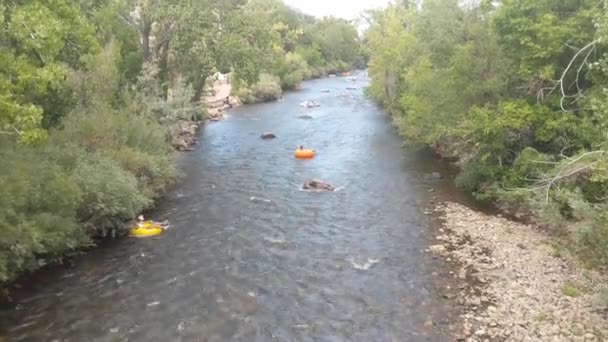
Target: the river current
pixel 250 256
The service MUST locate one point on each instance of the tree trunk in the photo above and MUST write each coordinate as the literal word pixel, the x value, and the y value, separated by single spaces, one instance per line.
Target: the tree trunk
pixel 145 40
pixel 163 66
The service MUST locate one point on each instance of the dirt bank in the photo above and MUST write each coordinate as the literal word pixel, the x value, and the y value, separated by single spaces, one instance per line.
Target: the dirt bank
pixel 514 285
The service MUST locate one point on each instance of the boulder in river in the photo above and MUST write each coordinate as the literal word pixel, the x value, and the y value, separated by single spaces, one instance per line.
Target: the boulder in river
pixel 268 135
pixel 234 101
pixel 305 117
pixel 215 114
pixel 317 185
pixel 183 135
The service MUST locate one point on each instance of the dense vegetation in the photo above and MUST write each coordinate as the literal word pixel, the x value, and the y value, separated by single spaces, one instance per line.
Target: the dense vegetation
pixel 89 90
pixel 515 90
pixel 302 48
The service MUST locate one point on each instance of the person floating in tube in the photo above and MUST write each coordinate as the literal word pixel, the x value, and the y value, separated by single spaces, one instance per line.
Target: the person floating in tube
pixel 141 223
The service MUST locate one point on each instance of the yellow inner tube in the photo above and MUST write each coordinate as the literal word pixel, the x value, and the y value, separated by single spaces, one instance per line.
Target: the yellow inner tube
pixel 304 154
pixel 147 229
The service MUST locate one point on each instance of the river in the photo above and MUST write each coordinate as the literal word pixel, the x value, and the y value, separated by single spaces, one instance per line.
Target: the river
pixel 251 257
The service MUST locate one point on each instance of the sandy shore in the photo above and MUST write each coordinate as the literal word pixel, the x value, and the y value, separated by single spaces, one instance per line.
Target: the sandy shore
pixel 514 285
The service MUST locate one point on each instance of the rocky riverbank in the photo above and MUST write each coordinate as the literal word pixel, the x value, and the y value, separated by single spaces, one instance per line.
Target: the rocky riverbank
pixel 183 134
pixel 514 285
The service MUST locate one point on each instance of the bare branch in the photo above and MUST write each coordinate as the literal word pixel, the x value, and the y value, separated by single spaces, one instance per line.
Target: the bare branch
pixel 589 49
pixel 561 175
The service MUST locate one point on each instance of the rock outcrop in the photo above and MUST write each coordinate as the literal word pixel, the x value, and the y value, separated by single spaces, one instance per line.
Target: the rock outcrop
pixel 183 135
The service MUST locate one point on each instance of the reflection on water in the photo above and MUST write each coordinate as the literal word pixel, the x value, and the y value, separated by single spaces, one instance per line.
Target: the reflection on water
pixel 250 257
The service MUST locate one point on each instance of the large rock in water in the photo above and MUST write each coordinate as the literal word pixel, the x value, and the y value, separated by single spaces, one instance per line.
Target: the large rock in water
pixel 215 114
pixel 267 136
pixel 182 135
pixel 317 185
pixel 234 101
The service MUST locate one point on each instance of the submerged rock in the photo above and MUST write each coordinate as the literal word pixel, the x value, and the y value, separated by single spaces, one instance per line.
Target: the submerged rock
pixel 310 104
pixel 267 136
pixel 317 185
pixel 305 117
pixel 366 265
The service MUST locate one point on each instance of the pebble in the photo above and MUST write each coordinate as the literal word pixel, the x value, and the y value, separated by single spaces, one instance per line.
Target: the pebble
pixel 462 274
pixel 437 249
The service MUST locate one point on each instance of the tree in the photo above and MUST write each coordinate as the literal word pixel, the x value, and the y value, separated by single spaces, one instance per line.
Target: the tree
pixel 38 40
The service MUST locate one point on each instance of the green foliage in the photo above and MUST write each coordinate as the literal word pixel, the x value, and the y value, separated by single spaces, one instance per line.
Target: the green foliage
pixel 149 101
pixel 293 70
pixel 97 82
pixel 337 40
pixel 38 39
pixel 268 88
pixel 110 195
pixel 37 210
pixel 569 289
pixel 594 240
pixel 537 34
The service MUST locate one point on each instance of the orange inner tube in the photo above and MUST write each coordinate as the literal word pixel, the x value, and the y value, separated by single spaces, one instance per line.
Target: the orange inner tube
pixel 304 154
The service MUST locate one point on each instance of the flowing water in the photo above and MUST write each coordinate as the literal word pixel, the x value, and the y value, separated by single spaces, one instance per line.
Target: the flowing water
pixel 250 256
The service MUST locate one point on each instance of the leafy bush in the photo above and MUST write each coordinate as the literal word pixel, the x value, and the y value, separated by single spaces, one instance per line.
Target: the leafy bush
pixel 244 93
pixel 110 194
pixel 138 144
pixel 150 99
pixel 102 168
pixel 593 240
pixel 38 209
pixel 312 55
pixel 293 70
pixel 336 67
pixel 268 88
